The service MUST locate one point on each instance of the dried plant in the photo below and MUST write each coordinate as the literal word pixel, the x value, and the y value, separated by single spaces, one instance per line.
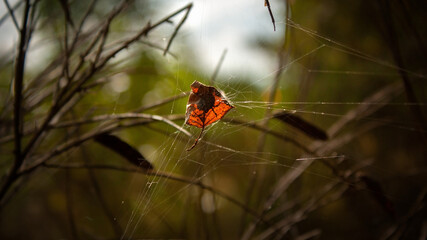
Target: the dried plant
pixel 52 123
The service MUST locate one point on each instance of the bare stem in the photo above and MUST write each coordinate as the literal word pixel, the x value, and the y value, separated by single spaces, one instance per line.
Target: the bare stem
pixel 70 204
pixel 12 15
pixel 18 86
pixel 166 175
pixel 188 7
pixel 282 59
pixel 267 4
pixel 218 66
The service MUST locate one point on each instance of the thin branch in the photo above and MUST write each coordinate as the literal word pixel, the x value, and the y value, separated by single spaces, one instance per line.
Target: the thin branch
pixel 162 102
pixel 78 38
pixel 51 114
pixel 97 189
pixel 104 60
pixel 169 118
pixel 267 4
pixel 6 15
pixel 310 234
pixel 36 98
pixel 170 176
pixel 18 86
pixel 104 37
pixel 282 60
pixel 396 230
pixel 116 227
pixel 66 96
pixel 147 118
pixel 81 139
pixel 188 7
pixel 69 203
pixel 197 140
pixel 166 119
pixel 218 67
pixel 67 12
pixel 410 22
pixel 266 130
pixel 158 47
pixel 348 50
pixel 384 95
pixel 58 106
pixel 105 25
pixel 392 40
pixel 100 35
pixel 66 146
pixel 82 22
pixel 66 64
pixel 286 180
pixel 12 14
pixel 284 225
pixel 142 33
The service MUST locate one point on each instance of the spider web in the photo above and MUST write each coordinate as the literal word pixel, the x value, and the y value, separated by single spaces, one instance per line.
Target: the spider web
pixel 220 159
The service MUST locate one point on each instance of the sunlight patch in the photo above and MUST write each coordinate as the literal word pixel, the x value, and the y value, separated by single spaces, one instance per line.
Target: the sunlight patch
pixel 120 83
pixel 208 203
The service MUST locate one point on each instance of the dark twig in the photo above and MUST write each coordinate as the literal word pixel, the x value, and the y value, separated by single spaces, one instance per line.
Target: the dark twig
pixel 267 4
pixel 146 118
pixel 188 7
pixel 77 141
pixel 12 14
pixel 282 59
pixel 394 45
pixel 397 230
pixel 155 46
pixel 197 139
pixel 310 234
pixel 58 104
pixel 116 227
pixel 82 22
pixel 97 189
pixel 136 37
pixel 215 217
pixel 18 86
pixel 166 175
pixel 180 117
pixel 69 203
pixel 284 225
pixel 67 12
pixel 348 50
pixel 66 65
pixel 162 102
pixel 104 26
pixel 4 17
pixel 218 67
pixel 266 130
pixel 409 19
pixel 66 96
pixel 104 37
pixel 384 95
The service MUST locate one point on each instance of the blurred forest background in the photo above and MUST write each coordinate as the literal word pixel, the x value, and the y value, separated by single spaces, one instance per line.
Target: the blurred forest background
pixel 327 139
